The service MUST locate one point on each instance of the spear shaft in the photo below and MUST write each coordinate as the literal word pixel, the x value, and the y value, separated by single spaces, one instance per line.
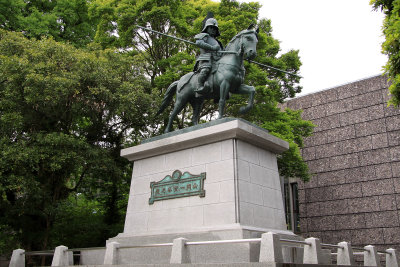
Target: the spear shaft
pixel 255 62
pixel 223 52
pixel 180 39
pixel 167 35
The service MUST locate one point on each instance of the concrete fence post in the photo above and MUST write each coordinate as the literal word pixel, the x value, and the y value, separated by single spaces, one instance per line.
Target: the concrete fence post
pixel 17 258
pixel 391 259
pixel 312 252
pixel 179 252
pixel 371 257
pixel 345 254
pixel 111 256
pixel 270 249
pixel 61 256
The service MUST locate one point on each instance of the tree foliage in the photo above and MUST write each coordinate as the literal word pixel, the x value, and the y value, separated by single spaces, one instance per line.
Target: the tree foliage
pixel 64 20
pixel 65 115
pixel 391 45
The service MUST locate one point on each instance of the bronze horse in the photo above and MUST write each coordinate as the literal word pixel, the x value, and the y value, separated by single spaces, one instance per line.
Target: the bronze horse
pixel 227 78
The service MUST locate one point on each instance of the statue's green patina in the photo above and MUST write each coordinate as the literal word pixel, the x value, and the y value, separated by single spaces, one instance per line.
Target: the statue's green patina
pixel 226 75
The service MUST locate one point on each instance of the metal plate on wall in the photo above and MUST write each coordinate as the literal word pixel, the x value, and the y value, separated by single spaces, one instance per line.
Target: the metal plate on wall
pixel 178 185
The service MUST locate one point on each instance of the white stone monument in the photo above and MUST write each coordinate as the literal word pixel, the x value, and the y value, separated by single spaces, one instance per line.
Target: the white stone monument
pixel 242 195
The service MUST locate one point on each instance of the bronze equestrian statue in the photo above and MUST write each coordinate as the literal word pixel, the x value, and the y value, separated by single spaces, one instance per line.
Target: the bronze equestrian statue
pixel 227 76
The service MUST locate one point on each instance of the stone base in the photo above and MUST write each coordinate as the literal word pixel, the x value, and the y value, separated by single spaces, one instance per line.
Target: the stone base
pixel 243 196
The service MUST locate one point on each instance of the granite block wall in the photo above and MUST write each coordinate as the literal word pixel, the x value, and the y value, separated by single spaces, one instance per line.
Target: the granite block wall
pixel 354 155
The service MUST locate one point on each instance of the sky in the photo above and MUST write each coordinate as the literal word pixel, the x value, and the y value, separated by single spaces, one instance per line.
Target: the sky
pixel 339 40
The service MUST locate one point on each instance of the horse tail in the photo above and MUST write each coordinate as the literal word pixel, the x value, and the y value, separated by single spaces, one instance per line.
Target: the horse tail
pixel 169 94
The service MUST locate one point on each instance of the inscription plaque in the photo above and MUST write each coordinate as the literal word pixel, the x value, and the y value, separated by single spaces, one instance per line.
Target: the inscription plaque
pixel 178 185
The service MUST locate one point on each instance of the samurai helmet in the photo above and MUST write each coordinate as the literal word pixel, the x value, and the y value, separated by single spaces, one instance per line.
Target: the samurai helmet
pixel 211 22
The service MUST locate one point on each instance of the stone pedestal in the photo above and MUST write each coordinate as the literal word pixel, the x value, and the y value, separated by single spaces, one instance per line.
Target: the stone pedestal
pixel 243 196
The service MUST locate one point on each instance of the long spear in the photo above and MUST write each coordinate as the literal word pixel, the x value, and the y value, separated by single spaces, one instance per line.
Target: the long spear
pixel 222 52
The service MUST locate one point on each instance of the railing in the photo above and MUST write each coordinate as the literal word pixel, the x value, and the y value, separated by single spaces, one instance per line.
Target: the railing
pixel 270 252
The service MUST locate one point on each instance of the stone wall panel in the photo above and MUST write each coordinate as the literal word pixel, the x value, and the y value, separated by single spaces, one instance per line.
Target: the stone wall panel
pixel 313 209
pixel 391 111
pixel 347 90
pixel 383 171
pixel 359 205
pixel 334 207
pixel 395 153
pixel 366 100
pixel 377 187
pixel 393 123
pixel 321 223
pixel 394 138
pixel 377 156
pixel 382 219
pixel 332 178
pixel 376 112
pixel 340 134
pixel 340 106
pixel 319 165
pixel 387 202
pixel 351 221
pixel 370 127
pixel 303 225
pixel 395 169
pixel 308 153
pixel 318 138
pixel 379 140
pixel 346 191
pixel 359 174
pixel 327 123
pixel 343 162
pixel 372 84
pixel 396 187
pixel 367 236
pixel 314 113
pixel 324 97
pixel 356 145
pixel 302 196
pixel 392 235
pixel 354 116
pixel 318 194
pixel 328 150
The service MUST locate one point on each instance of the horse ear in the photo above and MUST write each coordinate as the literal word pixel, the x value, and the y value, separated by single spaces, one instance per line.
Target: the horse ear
pixel 257 29
pixel 251 26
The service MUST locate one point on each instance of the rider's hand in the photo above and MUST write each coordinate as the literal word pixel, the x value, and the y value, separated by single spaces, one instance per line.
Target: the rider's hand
pixel 216 47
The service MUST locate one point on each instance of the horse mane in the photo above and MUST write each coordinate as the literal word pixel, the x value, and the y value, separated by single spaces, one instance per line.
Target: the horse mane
pixel 232 41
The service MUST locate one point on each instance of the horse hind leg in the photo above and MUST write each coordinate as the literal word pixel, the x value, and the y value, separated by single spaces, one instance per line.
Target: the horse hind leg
pixel 197 104
pixel 180 103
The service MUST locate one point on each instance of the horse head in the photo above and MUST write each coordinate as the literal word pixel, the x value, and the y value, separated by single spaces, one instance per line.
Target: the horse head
pixel 245 42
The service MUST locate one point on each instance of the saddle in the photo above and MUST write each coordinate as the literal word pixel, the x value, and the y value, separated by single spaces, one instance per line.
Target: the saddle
pixel 187 77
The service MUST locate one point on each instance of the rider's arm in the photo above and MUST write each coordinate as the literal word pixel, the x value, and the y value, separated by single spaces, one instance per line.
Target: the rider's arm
pixel 201 42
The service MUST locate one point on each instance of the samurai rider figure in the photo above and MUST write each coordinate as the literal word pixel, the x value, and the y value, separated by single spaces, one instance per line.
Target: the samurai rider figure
pixel 209 45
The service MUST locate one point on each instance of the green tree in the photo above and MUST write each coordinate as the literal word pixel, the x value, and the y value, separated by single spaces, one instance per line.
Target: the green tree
pixel 391 45
pixel 65 114
pixel 64 20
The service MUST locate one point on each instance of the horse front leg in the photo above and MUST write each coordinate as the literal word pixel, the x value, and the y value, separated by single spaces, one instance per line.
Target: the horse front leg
pixel 249 90
pixel 224 91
